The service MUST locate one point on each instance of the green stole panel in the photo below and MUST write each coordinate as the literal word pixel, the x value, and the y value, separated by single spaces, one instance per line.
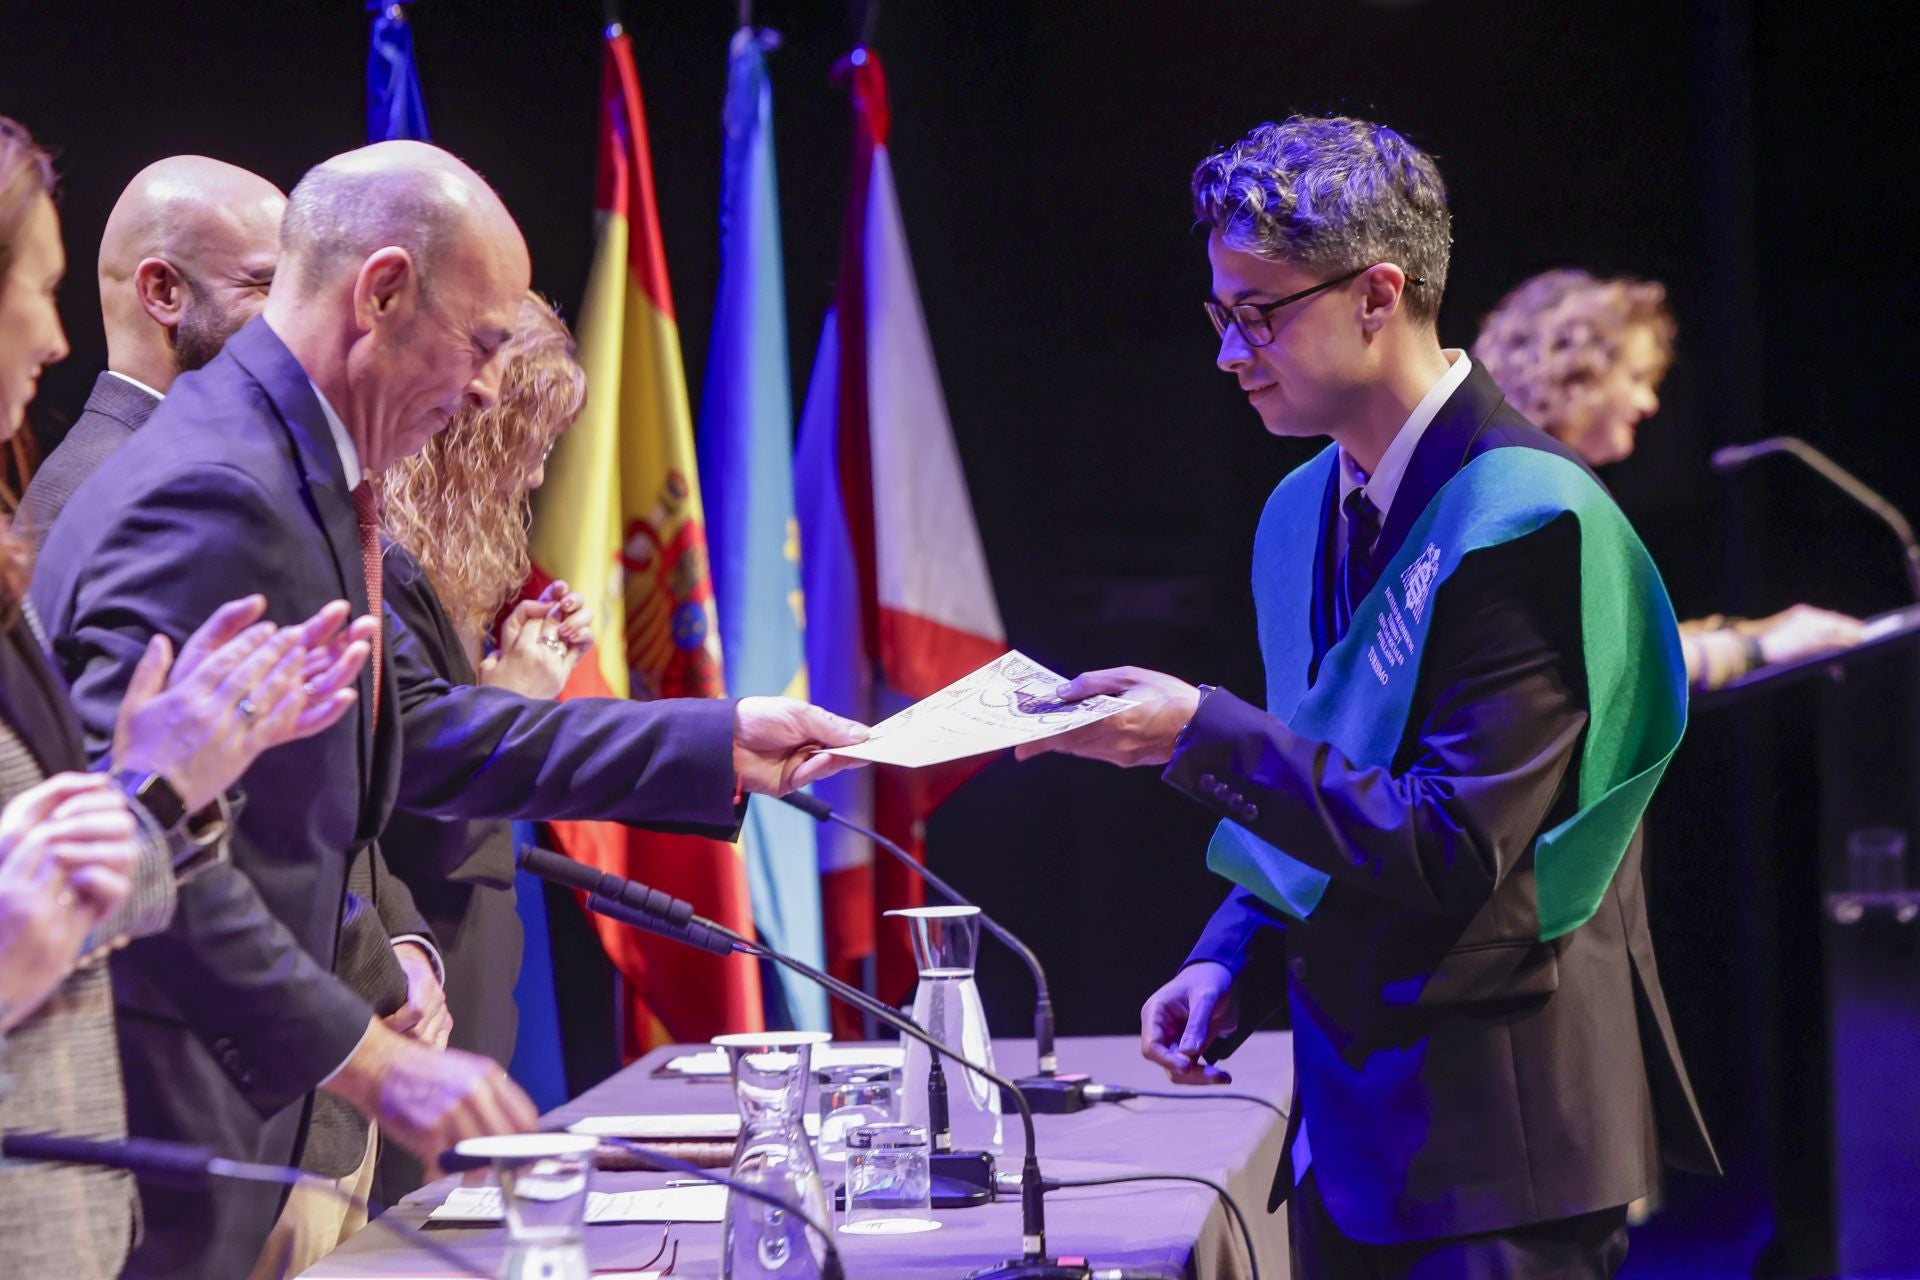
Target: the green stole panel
pixel 1636 674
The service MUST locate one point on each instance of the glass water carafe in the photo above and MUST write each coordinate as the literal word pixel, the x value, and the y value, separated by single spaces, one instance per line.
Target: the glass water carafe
pixel 544 1182
pixel 947 1006
pixel 761 1242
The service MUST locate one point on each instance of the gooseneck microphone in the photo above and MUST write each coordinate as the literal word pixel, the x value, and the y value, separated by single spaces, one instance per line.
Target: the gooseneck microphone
pixel 961 1179
pixel 1046 1089
pixel 1738 455
pixel 190 1168
pixel 696 931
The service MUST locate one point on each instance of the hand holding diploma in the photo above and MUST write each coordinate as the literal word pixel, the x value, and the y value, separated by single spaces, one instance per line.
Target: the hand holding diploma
pixel 1013 701
pixel 780 744
pixel 1156 708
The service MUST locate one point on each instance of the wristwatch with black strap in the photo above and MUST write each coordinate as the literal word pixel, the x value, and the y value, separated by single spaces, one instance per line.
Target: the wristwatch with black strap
pixel 191 835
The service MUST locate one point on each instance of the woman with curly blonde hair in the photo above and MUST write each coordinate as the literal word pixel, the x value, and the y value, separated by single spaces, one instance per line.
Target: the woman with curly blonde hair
pixel 456 515
pixel 459 508
pixel 1583 356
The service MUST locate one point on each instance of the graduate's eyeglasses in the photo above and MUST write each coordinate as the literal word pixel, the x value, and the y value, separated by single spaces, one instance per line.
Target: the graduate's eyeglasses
pixel 1255 319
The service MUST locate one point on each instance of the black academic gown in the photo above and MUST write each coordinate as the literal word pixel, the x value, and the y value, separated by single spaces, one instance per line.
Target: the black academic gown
pixel 1456 1075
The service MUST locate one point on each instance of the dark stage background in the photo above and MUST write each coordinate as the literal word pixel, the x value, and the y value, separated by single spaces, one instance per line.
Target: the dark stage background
pixel 1752 155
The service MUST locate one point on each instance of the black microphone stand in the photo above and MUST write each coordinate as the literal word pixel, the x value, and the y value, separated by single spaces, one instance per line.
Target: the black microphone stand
pixel 696 931
pixel 1046 1090
pixel 191 1168
pixel 961 1179
pixel 1738 455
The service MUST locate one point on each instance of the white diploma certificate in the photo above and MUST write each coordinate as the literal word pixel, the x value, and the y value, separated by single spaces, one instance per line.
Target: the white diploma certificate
pixel 1010 701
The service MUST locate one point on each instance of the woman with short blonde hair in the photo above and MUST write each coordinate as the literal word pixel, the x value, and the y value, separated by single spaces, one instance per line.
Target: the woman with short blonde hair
pixel 1583 356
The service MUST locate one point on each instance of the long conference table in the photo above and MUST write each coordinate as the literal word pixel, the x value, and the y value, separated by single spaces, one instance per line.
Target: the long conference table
pixel 1171 1229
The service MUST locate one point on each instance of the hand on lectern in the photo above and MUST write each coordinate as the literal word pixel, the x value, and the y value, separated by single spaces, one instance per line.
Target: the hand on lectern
pixel 1801 632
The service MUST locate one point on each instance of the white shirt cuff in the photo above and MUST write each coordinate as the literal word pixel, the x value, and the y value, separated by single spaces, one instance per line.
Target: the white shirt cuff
pixel 433 953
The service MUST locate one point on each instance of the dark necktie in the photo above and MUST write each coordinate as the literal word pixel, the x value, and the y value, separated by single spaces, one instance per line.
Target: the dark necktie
pixel 1356 568
pixel 366 513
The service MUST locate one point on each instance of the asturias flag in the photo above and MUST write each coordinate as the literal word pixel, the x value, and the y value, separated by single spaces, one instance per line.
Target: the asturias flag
pixel 746 468
pixel 899 602
pixel 620 519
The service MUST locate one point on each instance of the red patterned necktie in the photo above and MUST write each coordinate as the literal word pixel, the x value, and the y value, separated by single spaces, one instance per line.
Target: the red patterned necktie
pixel 366 509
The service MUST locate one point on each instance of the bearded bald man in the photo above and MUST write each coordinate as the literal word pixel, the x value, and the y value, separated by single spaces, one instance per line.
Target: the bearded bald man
pixel 186 259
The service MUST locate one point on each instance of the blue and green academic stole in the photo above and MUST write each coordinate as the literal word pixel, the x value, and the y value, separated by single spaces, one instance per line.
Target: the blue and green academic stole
pixel 1636 675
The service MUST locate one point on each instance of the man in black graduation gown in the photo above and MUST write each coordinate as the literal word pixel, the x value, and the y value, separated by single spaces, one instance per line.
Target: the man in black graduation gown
pixel 1474 1097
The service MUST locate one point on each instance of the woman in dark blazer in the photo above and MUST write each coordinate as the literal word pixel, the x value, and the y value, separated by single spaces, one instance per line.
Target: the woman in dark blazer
pixel 456 515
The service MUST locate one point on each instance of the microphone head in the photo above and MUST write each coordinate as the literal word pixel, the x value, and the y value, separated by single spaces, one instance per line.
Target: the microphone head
pixel 1734 455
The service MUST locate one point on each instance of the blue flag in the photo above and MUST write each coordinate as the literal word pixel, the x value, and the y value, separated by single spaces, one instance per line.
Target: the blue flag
pixel 394 107
pixel 745 445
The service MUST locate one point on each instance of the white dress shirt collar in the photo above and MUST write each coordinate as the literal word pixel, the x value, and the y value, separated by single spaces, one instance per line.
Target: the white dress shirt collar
pixel 342 442
pixel 1384 483
pixel 135 382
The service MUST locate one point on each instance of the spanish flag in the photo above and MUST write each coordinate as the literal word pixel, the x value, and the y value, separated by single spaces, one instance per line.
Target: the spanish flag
pixel 620 519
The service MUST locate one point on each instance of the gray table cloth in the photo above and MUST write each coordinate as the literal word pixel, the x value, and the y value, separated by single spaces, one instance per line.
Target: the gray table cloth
pixel 1168 1229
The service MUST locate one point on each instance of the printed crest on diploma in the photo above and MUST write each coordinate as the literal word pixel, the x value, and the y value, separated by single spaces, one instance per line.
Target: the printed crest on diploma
pixel 1010 701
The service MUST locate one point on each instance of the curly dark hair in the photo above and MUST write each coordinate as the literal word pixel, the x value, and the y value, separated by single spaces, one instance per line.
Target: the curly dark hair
pixel 1335 193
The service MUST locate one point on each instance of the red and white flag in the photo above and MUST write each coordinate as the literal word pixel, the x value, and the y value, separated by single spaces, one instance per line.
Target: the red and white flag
pixel 899 602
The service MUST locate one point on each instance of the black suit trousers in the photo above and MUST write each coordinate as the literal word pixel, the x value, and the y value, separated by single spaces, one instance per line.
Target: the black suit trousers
pixel 1589 1247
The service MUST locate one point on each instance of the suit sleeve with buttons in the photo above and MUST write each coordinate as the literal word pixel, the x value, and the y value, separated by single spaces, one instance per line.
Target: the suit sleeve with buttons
pixel 481 752
pixel 1495 734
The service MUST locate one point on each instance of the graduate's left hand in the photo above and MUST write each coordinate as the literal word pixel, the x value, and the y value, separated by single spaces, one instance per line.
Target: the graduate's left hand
pixel 1141 734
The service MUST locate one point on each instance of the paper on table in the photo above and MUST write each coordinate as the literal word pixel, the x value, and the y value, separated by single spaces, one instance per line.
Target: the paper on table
pixel 1009 701
pixel 658 1204
pixel 681 1128
pixel 713 1062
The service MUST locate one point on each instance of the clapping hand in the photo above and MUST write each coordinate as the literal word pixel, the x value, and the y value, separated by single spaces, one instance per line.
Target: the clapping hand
pixel 67 850
pixel 239 687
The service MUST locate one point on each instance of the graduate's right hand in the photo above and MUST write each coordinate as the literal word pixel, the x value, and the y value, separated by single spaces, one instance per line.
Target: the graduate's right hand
pixel 1181 1019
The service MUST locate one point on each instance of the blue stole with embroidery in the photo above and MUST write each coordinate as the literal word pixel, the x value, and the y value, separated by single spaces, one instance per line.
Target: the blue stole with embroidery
pixel 1361 696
